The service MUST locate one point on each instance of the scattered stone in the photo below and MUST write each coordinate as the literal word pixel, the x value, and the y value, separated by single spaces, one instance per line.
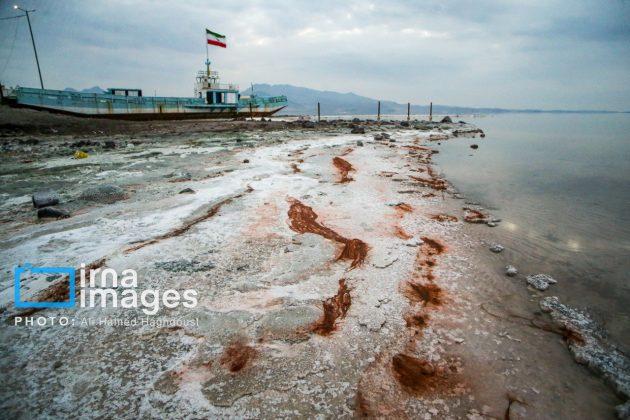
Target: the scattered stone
pixel 187 191
pixel 245 160
pixel 446 119
pixel 496 248
pixel 45 198
pixel 491 224
pixel 52 213
pixel 106 193
pixel 356 120
pixel 359 143
pixel 482 134
pixel 308 124
pixel 378 137
pixel 109 145
pixel 474 146
pixel 57 365
pixel 510 271
pixel 358 130
pixel 587 343
pixel 404 123
pixel 540 281
pixel 392 140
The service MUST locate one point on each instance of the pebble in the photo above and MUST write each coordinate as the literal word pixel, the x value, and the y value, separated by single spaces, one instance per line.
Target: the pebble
pixel 510 270
pixel 44 199
pixel 496 248
pixel 540 281
pixel 52 213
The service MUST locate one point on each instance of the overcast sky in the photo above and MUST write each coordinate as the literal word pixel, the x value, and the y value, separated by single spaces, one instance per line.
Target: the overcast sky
pixel 525 54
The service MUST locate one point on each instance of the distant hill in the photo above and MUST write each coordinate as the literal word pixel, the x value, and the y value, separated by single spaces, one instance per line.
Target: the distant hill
pixel 303 101
pixel 94 89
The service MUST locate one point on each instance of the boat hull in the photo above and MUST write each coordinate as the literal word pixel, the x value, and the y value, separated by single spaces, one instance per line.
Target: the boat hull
pixel 141 108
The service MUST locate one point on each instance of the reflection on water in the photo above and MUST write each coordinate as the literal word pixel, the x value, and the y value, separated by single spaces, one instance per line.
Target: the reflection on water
pixel 561 184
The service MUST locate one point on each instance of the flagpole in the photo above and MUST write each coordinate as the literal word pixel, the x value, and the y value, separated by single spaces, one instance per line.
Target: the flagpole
pixel 207 57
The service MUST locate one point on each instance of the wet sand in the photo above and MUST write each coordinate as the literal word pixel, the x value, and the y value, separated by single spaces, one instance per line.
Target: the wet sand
pixel 335 272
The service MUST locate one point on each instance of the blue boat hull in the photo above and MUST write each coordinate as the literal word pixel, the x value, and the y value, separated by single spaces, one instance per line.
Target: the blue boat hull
pixel 105 105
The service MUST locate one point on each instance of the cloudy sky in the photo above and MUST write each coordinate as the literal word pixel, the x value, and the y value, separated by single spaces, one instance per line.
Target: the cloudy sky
pixel 524 54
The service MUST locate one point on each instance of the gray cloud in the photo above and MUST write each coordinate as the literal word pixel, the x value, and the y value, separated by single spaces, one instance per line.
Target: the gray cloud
pixel 572 54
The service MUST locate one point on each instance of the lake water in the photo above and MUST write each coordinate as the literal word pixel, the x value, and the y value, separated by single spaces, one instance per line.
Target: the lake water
pixel 561 185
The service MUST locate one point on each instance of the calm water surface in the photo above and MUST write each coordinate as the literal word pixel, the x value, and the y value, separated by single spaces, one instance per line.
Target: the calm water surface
pixel 561 184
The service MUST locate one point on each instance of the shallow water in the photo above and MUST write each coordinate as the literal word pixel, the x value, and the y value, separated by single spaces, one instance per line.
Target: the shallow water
pixel 561 185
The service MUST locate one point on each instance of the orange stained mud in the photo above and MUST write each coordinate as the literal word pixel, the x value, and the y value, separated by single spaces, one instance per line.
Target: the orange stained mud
pixel 442 217
pixel 334 308
pixel 237 356
pixel 344 167
pixel 303 219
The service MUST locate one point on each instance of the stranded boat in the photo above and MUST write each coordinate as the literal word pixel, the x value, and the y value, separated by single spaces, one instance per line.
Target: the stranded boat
pixel 212 100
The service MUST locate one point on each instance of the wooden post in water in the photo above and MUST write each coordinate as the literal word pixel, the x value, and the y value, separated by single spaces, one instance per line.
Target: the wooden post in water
pixel 319 115
pixel 408 111
pixel 378 116
pixel 431 111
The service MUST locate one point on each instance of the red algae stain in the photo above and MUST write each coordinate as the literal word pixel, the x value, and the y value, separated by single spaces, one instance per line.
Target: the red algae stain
pixel 335 308
pixel 343 166
pixel 429 293
pixel 295 168
pixel 347 151
pixel 432 246
pixel 475 216
pixel 435 183
pixel 237 356
pixel 443 217
pixel 420 377
pixel 400 233
pixel 404 207
pixel 303 219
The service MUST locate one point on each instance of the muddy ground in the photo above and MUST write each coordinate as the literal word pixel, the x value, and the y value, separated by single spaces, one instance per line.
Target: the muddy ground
pixel 336 277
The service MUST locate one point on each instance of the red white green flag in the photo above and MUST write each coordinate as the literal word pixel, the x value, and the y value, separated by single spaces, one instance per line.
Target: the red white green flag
pixel 216 39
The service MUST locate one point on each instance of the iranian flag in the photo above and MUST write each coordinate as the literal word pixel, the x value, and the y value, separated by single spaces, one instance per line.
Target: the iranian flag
pixel 216 39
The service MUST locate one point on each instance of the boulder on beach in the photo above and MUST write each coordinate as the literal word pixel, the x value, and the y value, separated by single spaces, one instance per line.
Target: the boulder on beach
pixel 496 248
pixel 404 123
pixel 510 271
pixel 44 199
pixel 106 193
pixel 358 130
pixel 540 281
pixel 52 213
pixel 446 119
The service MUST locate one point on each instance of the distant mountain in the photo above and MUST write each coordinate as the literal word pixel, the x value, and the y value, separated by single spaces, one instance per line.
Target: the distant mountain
pixel 94 89
pixel 303 101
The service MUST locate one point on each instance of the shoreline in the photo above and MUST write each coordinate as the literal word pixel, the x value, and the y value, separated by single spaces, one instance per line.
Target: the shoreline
pixel 409 331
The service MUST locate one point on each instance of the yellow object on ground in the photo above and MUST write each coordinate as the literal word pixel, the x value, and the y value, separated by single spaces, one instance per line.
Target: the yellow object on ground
pixel 80 155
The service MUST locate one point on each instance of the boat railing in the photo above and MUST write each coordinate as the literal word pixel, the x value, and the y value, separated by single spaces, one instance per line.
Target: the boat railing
pixel 257 101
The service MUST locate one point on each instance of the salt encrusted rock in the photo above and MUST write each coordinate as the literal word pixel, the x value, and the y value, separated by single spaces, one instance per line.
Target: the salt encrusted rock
pixel 540 281
pixel 446 119
pixel 491 224
pixel 52 213
pixel 496 248
pixel 308 124
pixel 588 345
pixel 378 137
pixel 358 130
pixel 106 193
pixel 187 191
pixel 45 198
pixel 510 270
pixel 404 124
